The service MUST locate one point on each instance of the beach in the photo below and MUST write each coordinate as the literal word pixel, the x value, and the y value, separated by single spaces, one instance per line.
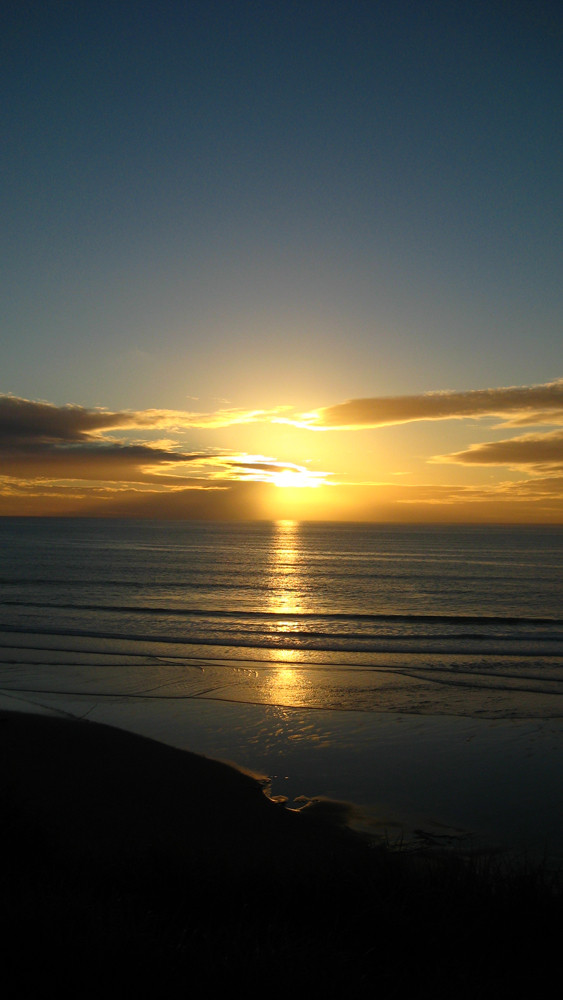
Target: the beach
pixel 393 698
pixel 479 766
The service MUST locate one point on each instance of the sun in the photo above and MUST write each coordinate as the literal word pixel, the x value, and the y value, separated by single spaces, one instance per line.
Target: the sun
pixel 296 478
pixel 286 475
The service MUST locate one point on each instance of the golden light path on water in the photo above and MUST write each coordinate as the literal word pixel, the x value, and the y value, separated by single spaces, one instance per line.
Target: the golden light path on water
pixel 298 678
pixel 285 597
pixel 414 748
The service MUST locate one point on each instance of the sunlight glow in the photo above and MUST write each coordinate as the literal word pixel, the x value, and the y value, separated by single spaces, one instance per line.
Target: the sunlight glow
pixel 290 686
pixel 296 477
pixel 263 469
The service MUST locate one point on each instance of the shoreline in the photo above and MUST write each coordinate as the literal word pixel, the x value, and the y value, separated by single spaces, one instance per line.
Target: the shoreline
pixel 488 783
pixel 412 756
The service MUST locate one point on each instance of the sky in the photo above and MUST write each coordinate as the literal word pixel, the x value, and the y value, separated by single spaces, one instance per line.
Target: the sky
pixel 293 260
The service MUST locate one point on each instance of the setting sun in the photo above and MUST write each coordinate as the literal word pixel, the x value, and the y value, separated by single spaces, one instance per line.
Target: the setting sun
pixel 259 332
pixel 297 477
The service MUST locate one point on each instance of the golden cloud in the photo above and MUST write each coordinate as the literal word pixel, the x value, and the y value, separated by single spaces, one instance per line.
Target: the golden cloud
pixel 532 451
pixel 25 419
pixel 531 405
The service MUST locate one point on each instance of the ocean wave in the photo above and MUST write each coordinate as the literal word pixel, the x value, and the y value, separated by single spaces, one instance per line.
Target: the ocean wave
pixel 415 645
pixel 289 615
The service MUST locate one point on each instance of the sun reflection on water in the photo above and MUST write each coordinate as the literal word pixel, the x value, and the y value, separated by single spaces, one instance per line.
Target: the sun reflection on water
pixel 286 598
pixel 284 582
pixel 289 686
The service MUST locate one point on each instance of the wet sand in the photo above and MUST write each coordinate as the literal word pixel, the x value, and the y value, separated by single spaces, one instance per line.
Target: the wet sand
pixel 491 777
pixel 494 782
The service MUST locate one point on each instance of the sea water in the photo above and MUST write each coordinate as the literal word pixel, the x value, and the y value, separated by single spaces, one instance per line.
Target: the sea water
pixel 312 651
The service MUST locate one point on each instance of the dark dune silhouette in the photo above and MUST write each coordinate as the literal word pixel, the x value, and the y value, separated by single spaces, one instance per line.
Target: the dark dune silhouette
pixel 129 865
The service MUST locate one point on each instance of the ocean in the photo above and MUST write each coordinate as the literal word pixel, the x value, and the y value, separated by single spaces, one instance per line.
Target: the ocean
pixel 348 660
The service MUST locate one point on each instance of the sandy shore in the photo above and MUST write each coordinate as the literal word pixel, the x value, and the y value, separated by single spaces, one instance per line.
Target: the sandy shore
pixel 491 782
pixel 491 777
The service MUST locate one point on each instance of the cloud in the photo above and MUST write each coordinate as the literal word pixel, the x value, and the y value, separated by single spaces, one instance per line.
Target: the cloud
pixel 24 419
pixel 258 468
pixel 267 465
pixel 531 405
pixel 76 447
pixel 40 440
pixel 540 452
pixel 79 460
pixel 107 460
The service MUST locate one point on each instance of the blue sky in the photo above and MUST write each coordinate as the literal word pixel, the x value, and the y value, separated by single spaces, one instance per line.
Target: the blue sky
pixel 219 206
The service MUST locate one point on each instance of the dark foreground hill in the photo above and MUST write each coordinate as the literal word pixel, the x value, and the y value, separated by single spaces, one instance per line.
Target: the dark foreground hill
pixel 133 868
